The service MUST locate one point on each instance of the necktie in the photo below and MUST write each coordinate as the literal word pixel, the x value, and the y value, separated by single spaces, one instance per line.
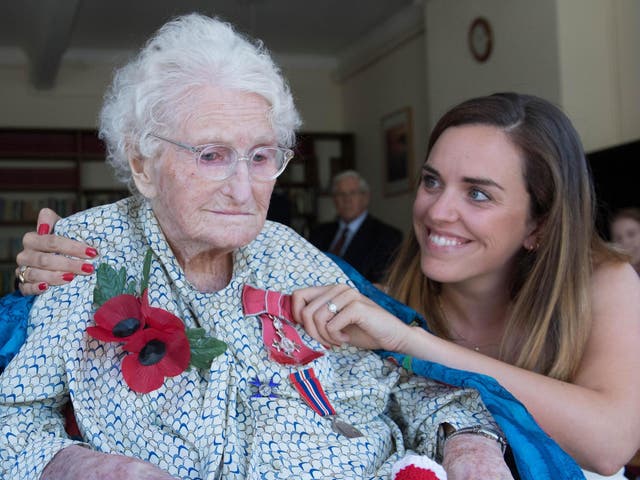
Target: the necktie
pixel 337 248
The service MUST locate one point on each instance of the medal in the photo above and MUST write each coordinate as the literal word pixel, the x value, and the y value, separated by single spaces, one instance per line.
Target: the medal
pixel 287 348
pixel 311 391
pixel 344 428
pixel 278 332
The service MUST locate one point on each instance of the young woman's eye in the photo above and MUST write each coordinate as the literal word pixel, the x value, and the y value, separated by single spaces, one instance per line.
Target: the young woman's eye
pixel 479 195
pixel 429 181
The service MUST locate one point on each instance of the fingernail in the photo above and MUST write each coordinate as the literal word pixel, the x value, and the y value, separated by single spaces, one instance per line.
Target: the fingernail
pixel 87 268
pixel 91 252
pixel 43 229
pixel 42 286
pixel 67 277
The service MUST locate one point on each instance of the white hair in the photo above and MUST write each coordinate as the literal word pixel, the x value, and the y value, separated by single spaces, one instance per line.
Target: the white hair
pixel 362 183
pixel 152 93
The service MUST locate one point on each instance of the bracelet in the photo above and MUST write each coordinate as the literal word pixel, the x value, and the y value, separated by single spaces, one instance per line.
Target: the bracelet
pixel 485 432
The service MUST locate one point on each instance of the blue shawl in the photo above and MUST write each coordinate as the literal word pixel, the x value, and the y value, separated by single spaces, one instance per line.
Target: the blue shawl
pixel 14 313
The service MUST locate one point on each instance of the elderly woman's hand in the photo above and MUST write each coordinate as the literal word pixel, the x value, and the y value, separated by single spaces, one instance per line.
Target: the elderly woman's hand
pixel 474 457
pixel 79 463
pixel 49 259
pixel 339 314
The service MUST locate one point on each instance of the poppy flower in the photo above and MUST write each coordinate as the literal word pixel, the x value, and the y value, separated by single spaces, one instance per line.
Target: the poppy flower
pixel 117 319
pixel 155 354
pixel 157 317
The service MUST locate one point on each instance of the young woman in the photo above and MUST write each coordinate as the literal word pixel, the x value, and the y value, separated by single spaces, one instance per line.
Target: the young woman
pixel 506 266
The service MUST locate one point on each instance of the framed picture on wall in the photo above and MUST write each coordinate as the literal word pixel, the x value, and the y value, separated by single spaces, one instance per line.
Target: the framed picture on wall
pixel 397 143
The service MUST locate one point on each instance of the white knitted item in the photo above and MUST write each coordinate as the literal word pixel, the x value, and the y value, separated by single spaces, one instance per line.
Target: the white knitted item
pixel 417 467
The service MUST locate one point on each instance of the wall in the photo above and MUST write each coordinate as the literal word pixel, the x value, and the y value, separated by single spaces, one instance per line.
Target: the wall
pixel 76 99
pixel 583 55
pixel 317 94
pixel 599 45
pixel 524 57
pixel 394 81
pixel 73 103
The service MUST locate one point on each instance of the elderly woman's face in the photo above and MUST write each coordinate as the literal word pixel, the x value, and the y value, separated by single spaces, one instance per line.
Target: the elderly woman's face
pixel 199 214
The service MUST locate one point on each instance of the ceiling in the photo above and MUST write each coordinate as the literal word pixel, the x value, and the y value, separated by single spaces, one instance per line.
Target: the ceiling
pixel 44 30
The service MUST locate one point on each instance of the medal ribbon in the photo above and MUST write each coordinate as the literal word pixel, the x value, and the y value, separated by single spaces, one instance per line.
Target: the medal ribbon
pixel 311 391
pixel 285 347
pixel 278 334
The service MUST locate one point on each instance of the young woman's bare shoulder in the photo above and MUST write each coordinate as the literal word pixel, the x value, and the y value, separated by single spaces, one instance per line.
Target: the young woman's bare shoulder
pixel 613 275
pixel 614 330
pixel 615 293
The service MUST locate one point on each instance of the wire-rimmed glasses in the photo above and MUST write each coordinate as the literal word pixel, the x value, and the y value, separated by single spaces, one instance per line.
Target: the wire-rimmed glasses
pixel 218 162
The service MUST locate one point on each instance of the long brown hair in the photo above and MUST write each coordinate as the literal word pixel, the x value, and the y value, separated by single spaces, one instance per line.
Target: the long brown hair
pixel 550 319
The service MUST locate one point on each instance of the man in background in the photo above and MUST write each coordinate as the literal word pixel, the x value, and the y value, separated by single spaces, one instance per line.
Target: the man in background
pixel 362 240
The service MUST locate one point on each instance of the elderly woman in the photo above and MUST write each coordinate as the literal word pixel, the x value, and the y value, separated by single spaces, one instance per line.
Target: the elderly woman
pixel 199 124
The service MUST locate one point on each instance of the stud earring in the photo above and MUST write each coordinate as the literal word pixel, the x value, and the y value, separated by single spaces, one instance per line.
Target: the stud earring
pixel 531 246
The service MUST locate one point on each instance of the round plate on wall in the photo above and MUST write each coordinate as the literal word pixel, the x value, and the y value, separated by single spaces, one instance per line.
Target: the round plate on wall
pixel 480 39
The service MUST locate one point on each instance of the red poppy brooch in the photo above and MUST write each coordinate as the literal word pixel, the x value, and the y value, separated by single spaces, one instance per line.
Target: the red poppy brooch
pixel 156 343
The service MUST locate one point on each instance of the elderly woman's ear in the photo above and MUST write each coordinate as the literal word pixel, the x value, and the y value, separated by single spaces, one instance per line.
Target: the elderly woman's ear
pixel 141 169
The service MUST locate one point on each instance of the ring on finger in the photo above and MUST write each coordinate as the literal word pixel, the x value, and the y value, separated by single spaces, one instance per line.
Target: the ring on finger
pixel 22 273
pixel 332 307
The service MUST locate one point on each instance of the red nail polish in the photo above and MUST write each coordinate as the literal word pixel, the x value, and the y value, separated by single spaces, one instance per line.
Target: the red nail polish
pixel 67 277
pixel 87 268
pixel 91 252
pixel 43 229
pixel 42 286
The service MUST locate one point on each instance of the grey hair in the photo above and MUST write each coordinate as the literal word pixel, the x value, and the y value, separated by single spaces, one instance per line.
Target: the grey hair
pixel 362 183
pixel 153 92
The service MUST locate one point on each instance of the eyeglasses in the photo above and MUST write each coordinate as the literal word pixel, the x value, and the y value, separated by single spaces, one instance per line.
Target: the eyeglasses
pixel 218 162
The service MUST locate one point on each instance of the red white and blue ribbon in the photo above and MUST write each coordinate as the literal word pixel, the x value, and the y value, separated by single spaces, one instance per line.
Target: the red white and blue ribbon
pixel 311 391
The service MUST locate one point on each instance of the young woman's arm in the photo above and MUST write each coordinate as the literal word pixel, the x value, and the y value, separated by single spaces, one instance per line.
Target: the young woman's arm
pixel 596 419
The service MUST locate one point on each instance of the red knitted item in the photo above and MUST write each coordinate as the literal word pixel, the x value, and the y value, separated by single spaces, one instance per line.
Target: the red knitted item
pixel 415 473
pixel 417 467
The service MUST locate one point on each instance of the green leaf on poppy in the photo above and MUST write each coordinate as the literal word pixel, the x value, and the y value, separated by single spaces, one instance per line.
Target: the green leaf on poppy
pixel 204 349
pixel 109 283
pixel 131 288
pixel 146 268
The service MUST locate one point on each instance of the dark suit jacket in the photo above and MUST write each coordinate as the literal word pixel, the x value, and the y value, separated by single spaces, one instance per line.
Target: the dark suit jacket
pixel 371 249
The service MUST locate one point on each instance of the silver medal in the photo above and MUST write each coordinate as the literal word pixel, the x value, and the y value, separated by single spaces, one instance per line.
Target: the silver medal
pixel 344 428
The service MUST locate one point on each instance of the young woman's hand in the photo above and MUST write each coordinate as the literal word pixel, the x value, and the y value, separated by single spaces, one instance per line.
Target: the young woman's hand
pixel 339 314
pixel 49 259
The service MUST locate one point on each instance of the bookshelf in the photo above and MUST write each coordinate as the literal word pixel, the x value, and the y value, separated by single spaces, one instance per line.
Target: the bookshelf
pixel 59 169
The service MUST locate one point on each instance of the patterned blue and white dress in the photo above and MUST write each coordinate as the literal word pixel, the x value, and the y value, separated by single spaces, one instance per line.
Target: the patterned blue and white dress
pixel 209 424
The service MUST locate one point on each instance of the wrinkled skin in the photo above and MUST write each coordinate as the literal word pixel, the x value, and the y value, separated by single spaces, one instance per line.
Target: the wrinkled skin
pixel 79 463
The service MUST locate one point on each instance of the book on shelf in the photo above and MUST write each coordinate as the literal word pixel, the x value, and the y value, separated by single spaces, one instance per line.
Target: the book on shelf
pixel 26 210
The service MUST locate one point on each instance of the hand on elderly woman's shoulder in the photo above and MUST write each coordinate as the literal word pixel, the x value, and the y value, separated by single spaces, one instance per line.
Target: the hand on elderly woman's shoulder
pixel 78 463
pixel 48 259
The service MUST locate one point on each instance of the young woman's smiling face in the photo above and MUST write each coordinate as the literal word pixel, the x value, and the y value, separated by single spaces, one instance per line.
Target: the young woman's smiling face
pixel 471 212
